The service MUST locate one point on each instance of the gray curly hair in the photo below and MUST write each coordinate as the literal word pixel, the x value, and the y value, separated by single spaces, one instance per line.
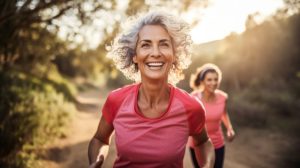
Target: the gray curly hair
pixel 123 48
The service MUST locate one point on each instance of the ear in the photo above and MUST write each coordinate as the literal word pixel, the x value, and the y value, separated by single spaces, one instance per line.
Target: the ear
pixel 174 60
pixel 134 59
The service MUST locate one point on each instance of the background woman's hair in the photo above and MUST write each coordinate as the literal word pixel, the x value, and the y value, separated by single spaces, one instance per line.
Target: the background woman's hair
pixel 123 48
pixel 199 75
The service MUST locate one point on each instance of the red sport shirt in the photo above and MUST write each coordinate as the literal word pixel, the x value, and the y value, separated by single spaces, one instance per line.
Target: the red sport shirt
pixel 152 143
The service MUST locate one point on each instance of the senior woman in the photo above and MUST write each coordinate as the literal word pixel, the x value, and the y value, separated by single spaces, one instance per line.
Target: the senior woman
pixel 152 119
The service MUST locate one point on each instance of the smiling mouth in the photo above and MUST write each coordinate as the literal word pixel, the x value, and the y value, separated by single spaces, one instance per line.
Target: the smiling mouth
pixel 155 65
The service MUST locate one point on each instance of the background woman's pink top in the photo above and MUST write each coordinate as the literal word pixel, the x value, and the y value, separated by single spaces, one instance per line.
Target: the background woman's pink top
pixel 214 111
pixel 149 143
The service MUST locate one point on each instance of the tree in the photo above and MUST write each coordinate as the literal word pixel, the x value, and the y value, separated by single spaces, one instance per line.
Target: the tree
pixel 29 30
pixel 19 17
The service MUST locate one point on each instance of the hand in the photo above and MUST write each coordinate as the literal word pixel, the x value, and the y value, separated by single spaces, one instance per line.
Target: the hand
pixel 98 163
pixel 230 135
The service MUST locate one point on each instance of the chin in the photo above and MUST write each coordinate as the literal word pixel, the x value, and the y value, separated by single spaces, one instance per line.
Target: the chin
pixel 211 90
pixel 156 77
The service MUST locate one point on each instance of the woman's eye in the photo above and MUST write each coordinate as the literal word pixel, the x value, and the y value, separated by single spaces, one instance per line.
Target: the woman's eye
pixel 145 45
pixel 165 44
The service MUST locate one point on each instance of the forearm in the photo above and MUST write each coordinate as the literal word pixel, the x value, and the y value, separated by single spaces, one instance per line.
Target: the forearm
pixel 205 154
pixel 95 149
pixel 227 122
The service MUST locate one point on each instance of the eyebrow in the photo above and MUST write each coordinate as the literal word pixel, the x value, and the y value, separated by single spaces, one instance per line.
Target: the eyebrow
pixel 149 41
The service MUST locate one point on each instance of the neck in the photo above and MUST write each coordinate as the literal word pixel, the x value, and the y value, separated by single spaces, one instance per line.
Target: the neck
pixel 152 93
pixel 208 96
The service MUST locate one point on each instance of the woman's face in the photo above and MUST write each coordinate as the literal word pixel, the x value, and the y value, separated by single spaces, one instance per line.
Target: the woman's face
pixel 154 52
pixel 210 81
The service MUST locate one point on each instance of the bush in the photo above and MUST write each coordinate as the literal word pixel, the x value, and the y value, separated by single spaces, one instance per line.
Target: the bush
pixel 32 113
pixel 261 105
pixel 247 108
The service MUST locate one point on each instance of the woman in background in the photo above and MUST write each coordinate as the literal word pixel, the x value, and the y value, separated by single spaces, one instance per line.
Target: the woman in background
pixel 205 83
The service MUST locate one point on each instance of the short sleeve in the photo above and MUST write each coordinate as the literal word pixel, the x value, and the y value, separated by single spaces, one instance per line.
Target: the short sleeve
pixel 114 101
pixel 194 111
pixel 225 96
pixel 109 110
pixel 196 117
pixel 222 95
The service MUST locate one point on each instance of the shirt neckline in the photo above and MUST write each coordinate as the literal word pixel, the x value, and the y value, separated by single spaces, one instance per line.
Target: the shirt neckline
pixel 200 95
pixel 137 111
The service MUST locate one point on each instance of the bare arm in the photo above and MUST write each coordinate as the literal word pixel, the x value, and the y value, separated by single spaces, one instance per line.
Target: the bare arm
pixel 227 123
pixel 204 150
pixel 98 145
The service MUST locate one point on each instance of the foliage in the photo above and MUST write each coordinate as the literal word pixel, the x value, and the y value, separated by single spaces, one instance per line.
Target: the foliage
pixel 266 62
pixel 25 15
pixel 32 113
pixel 262 106
pixel 266 51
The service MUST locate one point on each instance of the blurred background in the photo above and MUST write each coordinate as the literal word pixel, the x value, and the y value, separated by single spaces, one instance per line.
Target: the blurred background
pixel 54 75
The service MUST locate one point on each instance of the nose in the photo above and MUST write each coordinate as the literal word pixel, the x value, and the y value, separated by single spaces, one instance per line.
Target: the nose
pixel 156 52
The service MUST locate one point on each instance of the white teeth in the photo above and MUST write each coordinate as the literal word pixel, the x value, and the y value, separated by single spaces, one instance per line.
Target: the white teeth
pixel 155 64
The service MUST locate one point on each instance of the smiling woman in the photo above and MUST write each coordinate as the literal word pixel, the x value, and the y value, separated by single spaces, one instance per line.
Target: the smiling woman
pixel 154 52
pixel 124 47
pixel 152 119
pixel 205 83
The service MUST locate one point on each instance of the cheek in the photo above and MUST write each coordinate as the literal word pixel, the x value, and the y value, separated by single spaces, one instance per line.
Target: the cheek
pixel 140 56
pixel 170 55
pixel 142 52
pixel 166 50
pixel 207 83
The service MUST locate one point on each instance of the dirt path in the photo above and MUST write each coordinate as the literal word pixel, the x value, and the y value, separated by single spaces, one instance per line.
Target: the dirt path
pixel 251 148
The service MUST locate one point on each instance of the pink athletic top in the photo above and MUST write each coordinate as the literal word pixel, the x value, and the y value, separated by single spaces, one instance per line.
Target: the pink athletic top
pixel 214 111
pixel 152 143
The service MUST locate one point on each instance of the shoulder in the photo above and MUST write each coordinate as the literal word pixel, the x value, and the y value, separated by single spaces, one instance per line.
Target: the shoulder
pixel 114 101
pixel 185 96
pixel 124 89
pixel 197 94
pixel 194 111
pixel 190 102
pixel 222 94
pixel 122 92
pixel 117 96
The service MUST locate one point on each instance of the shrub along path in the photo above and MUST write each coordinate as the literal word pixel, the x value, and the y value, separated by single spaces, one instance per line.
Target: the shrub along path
pixel 251 148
